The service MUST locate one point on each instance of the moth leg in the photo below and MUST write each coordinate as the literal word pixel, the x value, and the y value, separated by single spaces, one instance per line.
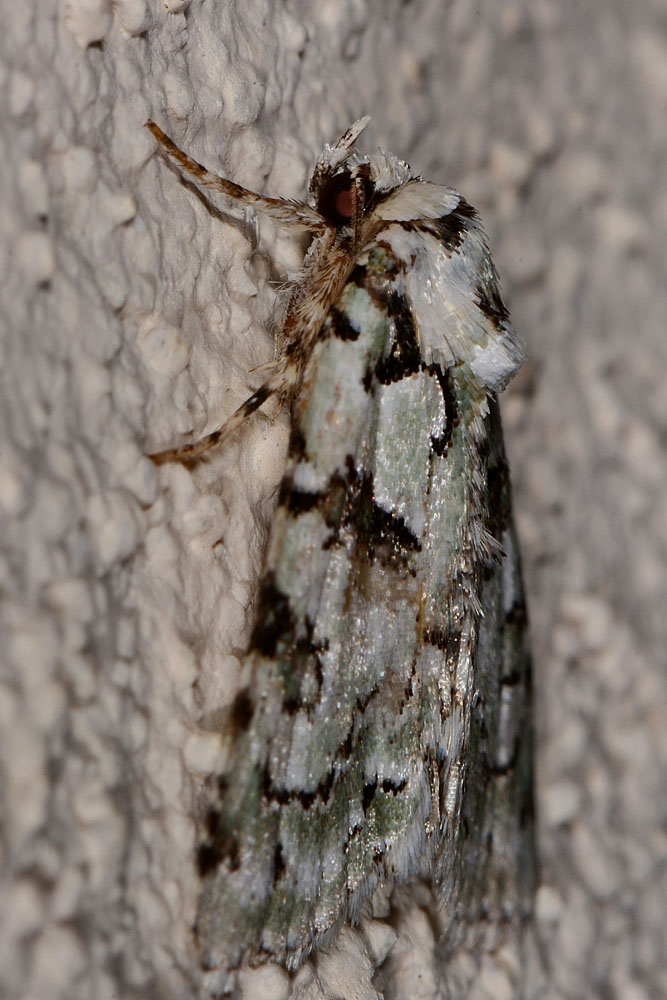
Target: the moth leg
pixel 292 214
pixel 281 382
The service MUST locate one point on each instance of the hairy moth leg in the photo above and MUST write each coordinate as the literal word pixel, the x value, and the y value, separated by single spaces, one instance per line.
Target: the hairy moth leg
pixel 298 321
pixel 281 382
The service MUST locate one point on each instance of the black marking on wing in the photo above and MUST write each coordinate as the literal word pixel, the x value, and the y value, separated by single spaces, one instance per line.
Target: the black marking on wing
pixel 329 502
pixel 378 533
pixel 208 859
pixel 348 501
pixel 388 537
pixel 440 444
pixel 298 501
pixel 368 795
pixel 212 822
pixel 491 304
pixel 363 703
pixel 296 449
pixel 297 655
pixel 272 793
pixel 274 618
pixel 499 513
pixel 304 653
pixel 388 786
pixel 278 861
pixel 340 325
pixel 241 710
pixel 359 276
pixel 445 641
pixel 368 381
pixel 448 642
pixel 404 358
pixel 220 845
pixel 349 510
pixel 451 229
pixel 380 272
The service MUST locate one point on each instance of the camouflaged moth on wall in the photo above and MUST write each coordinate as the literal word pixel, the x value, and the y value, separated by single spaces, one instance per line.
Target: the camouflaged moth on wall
pixel 384 726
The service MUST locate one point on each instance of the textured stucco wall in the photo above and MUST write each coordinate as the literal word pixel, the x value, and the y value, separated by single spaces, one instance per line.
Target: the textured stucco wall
pixel 130 318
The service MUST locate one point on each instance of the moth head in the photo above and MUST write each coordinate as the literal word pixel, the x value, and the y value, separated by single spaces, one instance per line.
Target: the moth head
pixel 342 176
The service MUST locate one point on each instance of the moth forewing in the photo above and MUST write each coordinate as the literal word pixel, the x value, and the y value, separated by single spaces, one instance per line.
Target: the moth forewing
pixel 384 730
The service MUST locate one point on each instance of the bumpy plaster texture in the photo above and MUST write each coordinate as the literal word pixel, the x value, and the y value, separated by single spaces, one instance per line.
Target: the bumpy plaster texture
pixel 131 318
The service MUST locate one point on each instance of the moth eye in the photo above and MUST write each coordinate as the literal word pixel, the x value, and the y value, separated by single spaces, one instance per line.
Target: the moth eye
pixel 336 201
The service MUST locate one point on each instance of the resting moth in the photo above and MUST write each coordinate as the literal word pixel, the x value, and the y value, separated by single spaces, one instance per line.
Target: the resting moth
pixel 383 727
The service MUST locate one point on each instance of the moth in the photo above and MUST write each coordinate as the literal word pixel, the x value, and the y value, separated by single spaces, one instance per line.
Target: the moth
pixel 383 725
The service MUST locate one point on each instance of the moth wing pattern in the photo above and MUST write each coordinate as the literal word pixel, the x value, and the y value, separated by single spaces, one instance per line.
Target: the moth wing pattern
pixel 382 729
pixel 360 689
pixel 493 871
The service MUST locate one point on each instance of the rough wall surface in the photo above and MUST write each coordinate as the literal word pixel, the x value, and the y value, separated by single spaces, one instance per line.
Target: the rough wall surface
pixel 130 319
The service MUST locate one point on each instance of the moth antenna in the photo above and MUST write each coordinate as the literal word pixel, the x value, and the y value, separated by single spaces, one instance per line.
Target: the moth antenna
pixel 350 136
pixel 289 213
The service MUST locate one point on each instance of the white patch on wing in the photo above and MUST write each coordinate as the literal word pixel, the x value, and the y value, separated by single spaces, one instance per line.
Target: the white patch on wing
pixel 418 199
pixel 451 325
pixel 402 445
